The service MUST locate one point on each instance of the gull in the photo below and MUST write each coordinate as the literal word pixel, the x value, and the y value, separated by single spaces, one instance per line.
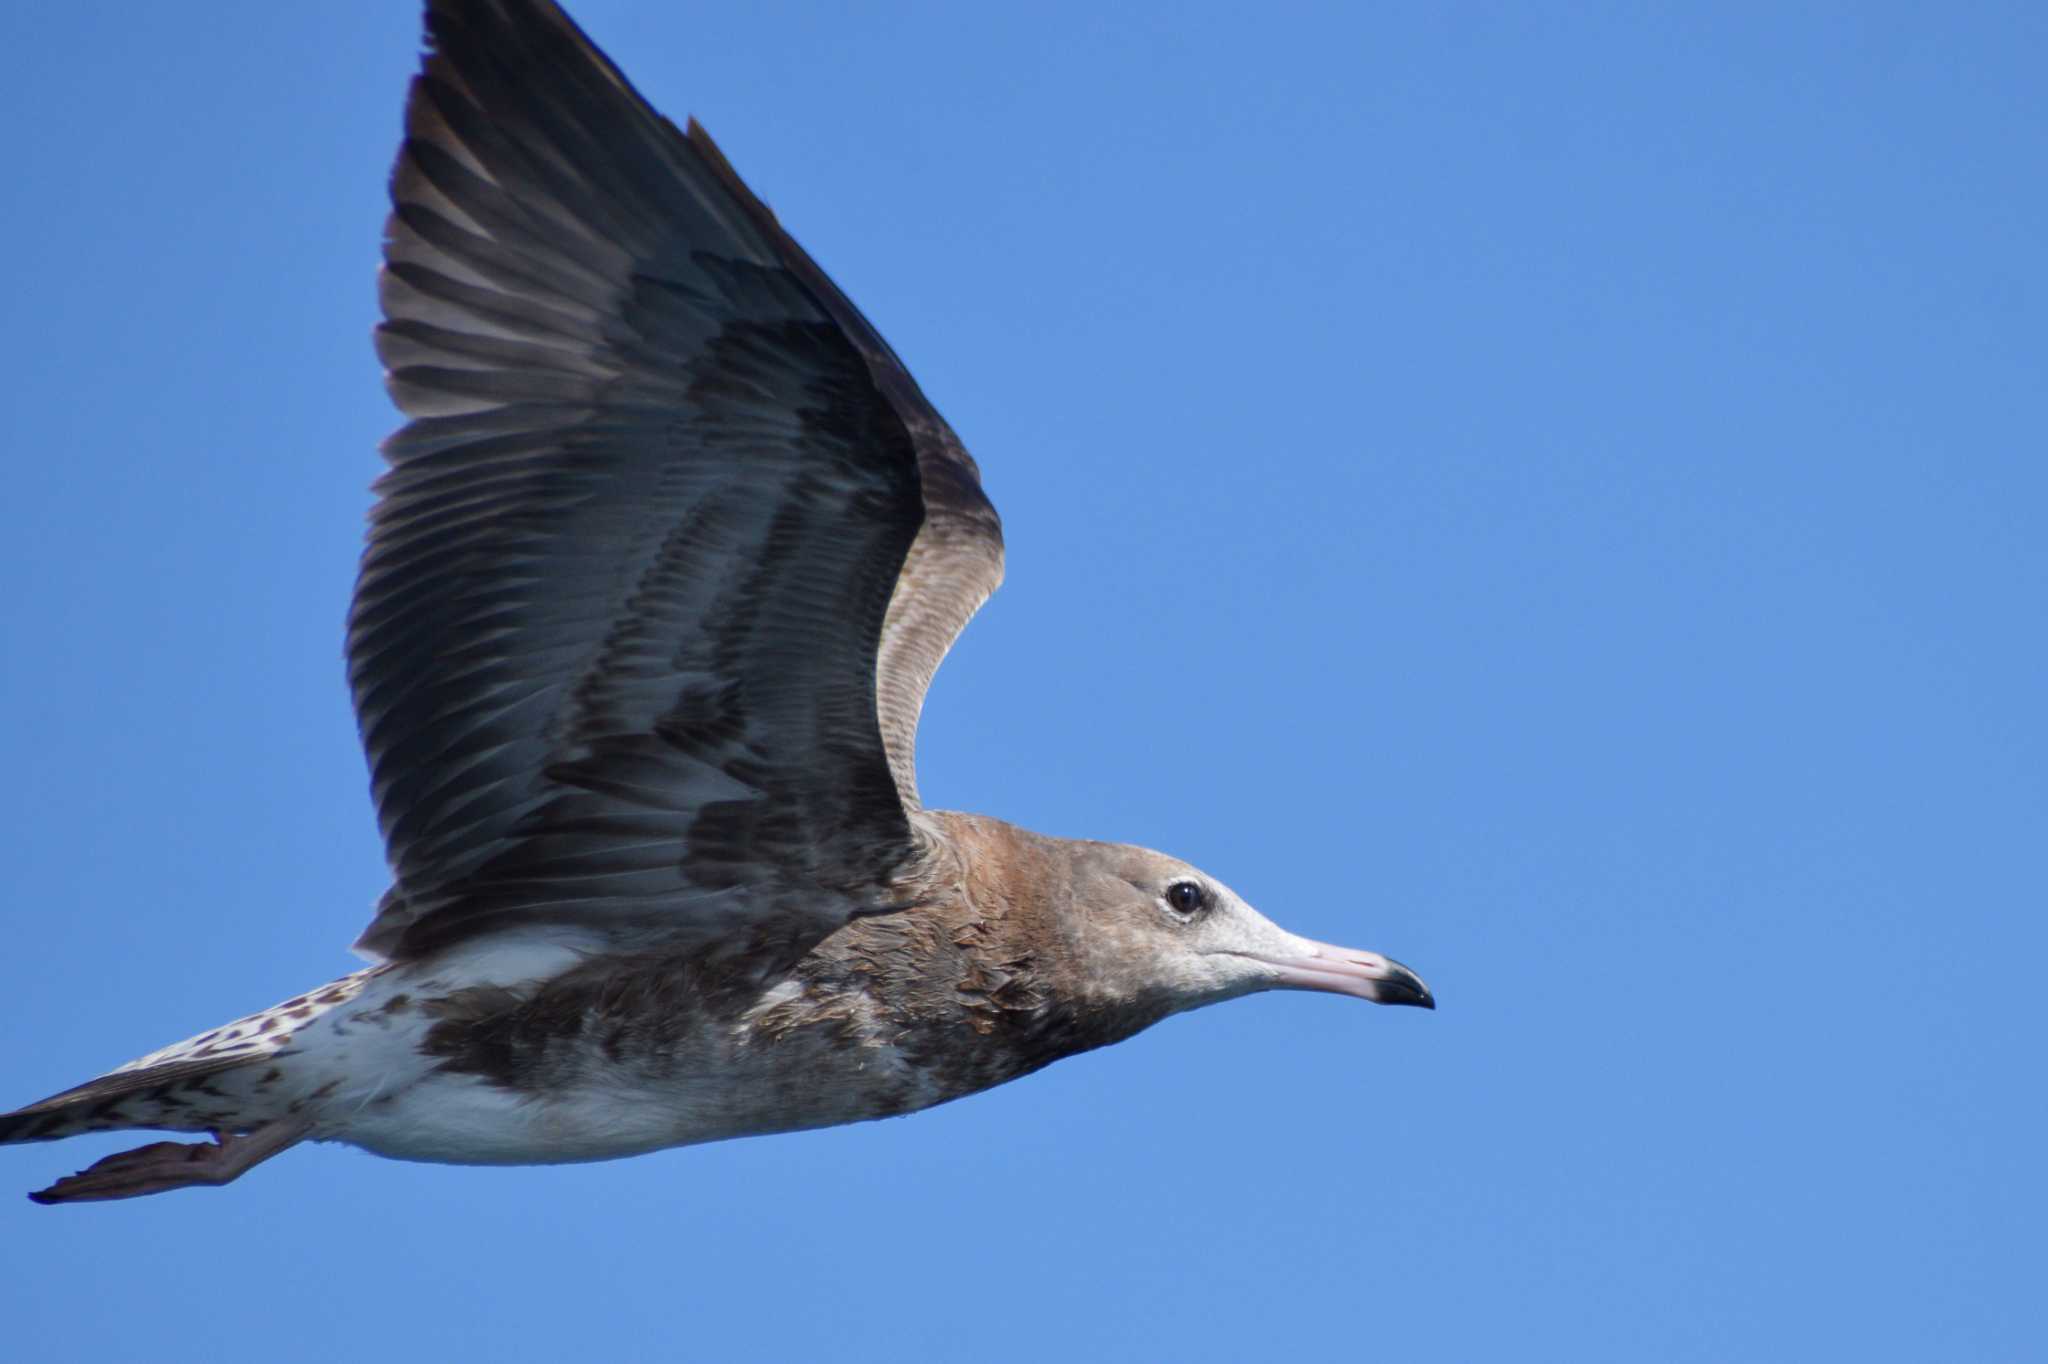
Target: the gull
pixel 669 550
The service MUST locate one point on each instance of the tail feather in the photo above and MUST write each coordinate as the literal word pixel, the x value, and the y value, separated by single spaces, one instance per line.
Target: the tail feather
pixel 178 1088
pixel 177 1096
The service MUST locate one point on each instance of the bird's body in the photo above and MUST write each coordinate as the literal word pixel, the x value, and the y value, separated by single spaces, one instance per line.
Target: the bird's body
pixel 527 1053
pixel 666 559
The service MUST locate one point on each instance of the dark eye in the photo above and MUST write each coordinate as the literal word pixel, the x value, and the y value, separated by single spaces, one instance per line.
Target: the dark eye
pixel 1185 897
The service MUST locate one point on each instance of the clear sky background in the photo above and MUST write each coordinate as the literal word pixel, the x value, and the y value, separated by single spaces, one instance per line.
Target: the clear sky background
pixel 1556 495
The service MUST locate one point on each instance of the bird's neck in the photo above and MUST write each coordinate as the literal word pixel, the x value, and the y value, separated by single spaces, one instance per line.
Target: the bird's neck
pixel 1003 951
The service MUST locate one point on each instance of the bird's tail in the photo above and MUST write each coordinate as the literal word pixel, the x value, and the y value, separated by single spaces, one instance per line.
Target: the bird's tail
pixel 231 1081
pixel 181 1096
pixel 202 1084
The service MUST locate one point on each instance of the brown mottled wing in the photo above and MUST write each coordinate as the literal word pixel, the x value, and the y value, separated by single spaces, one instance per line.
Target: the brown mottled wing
pixel 632 638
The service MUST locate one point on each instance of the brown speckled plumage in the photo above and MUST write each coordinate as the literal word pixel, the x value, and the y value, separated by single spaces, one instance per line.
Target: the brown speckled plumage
pixel 669 550
pixel 971 984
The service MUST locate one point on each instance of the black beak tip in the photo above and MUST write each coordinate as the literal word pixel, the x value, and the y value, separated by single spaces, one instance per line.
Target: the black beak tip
pixel 1407 988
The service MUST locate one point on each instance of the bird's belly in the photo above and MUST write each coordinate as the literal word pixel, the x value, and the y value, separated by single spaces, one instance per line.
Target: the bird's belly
pixel 600 1109
pixel 467 1120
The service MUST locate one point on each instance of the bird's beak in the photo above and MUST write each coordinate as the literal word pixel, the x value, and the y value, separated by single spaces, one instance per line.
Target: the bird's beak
pixel 1348 971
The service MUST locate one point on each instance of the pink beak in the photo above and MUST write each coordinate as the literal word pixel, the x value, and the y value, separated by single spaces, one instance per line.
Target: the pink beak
pixel 1348 971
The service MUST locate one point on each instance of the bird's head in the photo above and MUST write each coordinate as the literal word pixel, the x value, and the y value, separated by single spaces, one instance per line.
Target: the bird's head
pixel 1150 929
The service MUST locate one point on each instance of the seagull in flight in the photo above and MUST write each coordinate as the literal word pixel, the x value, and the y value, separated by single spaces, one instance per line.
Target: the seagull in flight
pixel 670 547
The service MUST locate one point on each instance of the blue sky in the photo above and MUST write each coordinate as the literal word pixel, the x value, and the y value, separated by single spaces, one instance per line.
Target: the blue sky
pixel 1555 496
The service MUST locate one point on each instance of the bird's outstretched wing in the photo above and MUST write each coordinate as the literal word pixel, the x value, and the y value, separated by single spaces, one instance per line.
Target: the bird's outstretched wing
pixel 671 545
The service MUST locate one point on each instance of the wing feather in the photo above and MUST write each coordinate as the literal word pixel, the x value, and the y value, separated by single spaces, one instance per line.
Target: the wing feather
pixel 670 545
